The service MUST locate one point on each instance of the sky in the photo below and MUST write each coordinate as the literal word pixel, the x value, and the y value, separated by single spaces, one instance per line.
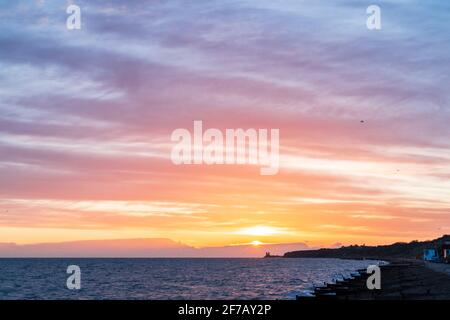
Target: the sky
pixel 86 118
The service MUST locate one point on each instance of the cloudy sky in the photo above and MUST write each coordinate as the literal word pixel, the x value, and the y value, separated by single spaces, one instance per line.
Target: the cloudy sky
pixel 86 118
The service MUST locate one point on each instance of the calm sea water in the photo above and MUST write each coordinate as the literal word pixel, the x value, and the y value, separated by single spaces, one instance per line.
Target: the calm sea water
pixel 170 278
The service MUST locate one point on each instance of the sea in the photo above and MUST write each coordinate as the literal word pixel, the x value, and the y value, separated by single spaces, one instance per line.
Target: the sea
pixel 171 278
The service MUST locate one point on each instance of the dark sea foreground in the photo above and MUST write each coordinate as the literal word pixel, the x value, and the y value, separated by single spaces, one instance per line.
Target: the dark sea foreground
pixel 161 278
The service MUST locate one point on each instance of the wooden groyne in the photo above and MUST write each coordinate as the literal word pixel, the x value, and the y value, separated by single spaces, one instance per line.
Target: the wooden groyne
pixel 399 280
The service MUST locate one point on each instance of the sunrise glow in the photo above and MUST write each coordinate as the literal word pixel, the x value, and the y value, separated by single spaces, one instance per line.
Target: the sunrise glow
pixel 87 118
